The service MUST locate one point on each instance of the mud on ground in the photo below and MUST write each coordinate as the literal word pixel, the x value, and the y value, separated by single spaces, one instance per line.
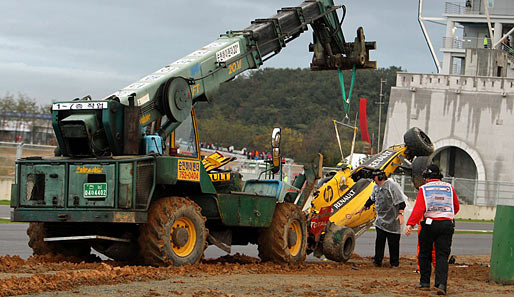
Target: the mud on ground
pixel 236 275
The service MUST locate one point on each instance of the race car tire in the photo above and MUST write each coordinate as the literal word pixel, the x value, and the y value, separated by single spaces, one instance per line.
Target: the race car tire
pixel 418 143
pixel 419 164
pixel 285 240
pixel 338 243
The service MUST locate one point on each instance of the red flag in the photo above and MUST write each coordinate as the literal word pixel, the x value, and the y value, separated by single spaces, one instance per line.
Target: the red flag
pixel 364 121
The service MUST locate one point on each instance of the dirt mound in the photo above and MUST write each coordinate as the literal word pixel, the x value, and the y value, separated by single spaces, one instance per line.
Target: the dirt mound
pixel 237 258
pixel 357 277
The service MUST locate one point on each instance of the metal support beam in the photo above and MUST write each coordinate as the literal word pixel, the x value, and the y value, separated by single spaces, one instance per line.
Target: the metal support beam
pixel 427 38
pixel 488 20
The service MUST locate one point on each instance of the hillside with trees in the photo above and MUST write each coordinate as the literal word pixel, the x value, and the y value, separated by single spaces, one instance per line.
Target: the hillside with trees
pixel 302 102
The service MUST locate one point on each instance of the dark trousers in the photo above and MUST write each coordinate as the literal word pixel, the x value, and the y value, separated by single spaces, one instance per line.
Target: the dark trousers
pixel 393 240
pixel 438 234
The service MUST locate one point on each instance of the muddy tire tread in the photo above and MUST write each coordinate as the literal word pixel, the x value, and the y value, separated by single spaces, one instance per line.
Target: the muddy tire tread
pixel 333 250
pixel 418 143
pixel 272 241
pixel 151 239
pixel 37 231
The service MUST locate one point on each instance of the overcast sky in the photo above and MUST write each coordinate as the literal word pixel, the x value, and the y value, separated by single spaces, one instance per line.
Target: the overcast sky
pixel 63 49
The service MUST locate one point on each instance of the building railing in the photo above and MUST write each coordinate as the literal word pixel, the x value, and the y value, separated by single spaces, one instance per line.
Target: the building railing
pixel 459 8
pixel 509 50
pixel 465 42
pixel 455 82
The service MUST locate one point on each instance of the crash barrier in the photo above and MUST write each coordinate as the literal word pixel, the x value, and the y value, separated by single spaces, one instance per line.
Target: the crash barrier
pixel 502 258
pixel 470 191
pixel 251 169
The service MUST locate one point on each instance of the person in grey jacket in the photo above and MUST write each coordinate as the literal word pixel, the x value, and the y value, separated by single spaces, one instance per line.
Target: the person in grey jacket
pixel 390 204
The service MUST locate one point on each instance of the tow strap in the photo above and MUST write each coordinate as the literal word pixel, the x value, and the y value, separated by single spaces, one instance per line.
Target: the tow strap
pixel 346 101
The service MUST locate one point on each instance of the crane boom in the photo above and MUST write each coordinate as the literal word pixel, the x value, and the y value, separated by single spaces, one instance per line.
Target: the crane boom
pixel 170 92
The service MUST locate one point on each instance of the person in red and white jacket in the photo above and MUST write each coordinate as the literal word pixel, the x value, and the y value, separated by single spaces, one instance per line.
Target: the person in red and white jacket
pixel 436 204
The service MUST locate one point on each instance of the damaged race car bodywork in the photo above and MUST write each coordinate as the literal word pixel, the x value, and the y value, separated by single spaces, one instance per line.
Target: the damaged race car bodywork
pixel 334 224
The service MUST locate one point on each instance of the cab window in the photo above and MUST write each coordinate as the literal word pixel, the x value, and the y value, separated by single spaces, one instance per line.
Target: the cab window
pixel 185 139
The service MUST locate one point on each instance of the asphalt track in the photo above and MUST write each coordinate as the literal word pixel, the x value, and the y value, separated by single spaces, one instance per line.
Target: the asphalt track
pixel 13 241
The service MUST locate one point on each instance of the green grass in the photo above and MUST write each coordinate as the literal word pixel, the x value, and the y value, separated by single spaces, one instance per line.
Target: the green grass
pixel 415 232
pixel 474 232
pixel 5 202
pixel 474 221
pixel 7 221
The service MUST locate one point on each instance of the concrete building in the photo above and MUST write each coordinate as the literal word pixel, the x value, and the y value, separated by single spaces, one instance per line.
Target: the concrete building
pixel 467 109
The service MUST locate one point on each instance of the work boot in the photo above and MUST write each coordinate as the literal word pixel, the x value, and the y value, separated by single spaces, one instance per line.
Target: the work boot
pixel 441 289
pixel 423 286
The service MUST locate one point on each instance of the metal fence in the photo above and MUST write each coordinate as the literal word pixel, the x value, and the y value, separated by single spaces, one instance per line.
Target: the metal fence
pixel 9 152
pixel 470 191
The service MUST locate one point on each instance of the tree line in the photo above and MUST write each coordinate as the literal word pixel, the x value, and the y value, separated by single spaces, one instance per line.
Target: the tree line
pixel 303 103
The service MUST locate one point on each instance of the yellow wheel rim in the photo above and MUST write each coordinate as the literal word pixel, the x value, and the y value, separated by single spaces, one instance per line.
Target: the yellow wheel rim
pixel 297 229
pixel 186 249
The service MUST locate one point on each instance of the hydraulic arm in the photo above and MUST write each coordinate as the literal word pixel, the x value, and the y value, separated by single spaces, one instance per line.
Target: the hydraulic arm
pixel 114 126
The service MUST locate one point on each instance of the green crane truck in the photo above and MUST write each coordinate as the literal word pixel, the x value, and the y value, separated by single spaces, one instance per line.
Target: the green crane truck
pixel 128 179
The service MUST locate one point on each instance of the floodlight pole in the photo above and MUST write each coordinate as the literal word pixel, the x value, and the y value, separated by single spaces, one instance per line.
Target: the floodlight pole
pixel 380 103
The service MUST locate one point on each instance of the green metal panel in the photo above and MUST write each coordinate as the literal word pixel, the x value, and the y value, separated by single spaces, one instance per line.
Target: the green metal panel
pixel 84 173
pixel 112 121
pixel 80 215
pixel 209 205
pixel 167 173
pixel 82 122
pixel 126 190
pixel 42 185
pixel 205 182
pixel 246 210
pixel 166 170
pixel 502 257
pixel 14 195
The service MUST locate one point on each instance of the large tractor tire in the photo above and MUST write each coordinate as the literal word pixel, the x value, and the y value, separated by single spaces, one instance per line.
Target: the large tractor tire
pixel 175 233
pixel 418 166
pixel 338 243
pixel 418 143
pixel 285 240
pixel 37 233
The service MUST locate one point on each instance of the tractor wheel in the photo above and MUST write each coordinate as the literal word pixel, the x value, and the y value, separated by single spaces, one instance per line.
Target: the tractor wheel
pixel 418 166
pixel 37 233
pixel 338 243
pixel 174 234
pixel 418 143
pixel 285 240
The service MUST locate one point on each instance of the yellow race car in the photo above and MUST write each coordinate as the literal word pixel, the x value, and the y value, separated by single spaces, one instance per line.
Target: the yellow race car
pixel 333 222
